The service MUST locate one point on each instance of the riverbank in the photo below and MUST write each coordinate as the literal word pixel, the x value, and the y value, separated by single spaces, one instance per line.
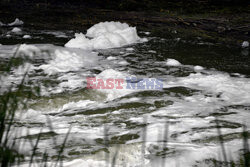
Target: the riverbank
pixel 223 25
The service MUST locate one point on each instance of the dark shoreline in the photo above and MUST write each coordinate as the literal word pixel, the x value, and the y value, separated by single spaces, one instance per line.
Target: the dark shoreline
pixel 229 25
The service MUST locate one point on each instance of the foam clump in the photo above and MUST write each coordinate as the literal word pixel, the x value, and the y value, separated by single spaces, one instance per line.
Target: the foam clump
pixel 16 30
pixel 152 51
pixel 245 44
pixel 26 36
pixel 80 41
pixel 112 94
pixel 198 68
pixel 105 35
pixel 61 59
pixel 111 73
pixel 130 49
pixel 172 62
pixel 28 50
pixel 64 60
pixel 111 58
pixel 231 89
pixel 16 22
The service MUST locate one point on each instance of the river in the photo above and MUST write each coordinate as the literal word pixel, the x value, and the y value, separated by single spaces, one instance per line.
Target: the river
pixel 171 126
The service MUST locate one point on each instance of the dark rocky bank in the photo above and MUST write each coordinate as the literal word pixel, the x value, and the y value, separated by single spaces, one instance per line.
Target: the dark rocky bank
pixel 226 21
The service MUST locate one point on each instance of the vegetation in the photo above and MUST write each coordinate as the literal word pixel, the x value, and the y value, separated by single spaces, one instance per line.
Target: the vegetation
pixel 186 6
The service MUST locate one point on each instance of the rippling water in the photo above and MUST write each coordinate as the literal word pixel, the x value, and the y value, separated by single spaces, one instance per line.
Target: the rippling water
pixel 183 112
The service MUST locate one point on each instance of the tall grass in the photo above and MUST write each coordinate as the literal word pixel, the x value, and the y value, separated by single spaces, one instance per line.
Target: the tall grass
pixel 9 103
pixel 16 98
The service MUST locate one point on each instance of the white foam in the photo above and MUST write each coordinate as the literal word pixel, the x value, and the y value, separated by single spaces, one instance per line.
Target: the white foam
pixel 29 50
pixel 64 60
pixel 70 81
pixel 26 36
pixel 85 163
pixel 17 22
pixel 174 31
pixel 16 30
pixel 186 114
pixel 114 93
pixel 198 68
pixel 131 155
pixel 16 78
pixel 245 44
pixel 130 49
pixel 80 104
pixel 80 41
pixel 32 115
pixel 232 90
pixel 57 34
pixel 105 35
pixel 71 65
pixel 123 62
pixel 111 58
pixel 110 73
pixel 177 39
pixel 172 62
pixel 152 51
